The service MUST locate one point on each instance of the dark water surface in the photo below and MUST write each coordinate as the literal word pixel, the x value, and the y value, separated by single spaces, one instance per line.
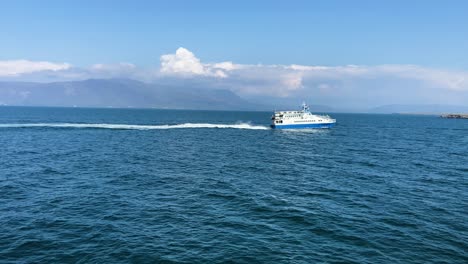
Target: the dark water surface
pixel 374 189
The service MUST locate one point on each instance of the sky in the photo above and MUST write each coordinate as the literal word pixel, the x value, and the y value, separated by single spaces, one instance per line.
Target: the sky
pixel 338 52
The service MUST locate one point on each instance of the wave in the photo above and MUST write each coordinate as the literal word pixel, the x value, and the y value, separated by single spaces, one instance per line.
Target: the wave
pixel 136 127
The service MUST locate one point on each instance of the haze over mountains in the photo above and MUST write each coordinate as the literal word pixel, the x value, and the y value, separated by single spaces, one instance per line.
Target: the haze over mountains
pixel 184 81
pixel 123 93
pixel 420 109
pixel 118 93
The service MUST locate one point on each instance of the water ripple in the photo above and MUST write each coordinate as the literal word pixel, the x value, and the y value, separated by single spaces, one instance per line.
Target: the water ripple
pixel 79 187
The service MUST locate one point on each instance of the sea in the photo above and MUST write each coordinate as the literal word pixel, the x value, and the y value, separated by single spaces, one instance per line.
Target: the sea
pixel 84 185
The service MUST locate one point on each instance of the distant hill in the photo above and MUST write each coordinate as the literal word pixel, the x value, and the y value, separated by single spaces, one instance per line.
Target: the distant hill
pixel 120 93
pixel 419 109
pixel 123 93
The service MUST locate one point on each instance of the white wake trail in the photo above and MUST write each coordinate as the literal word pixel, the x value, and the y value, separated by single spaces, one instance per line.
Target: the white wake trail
pixel 137 127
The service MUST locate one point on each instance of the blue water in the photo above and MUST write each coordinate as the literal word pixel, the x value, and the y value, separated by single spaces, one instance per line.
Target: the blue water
pixel 149 186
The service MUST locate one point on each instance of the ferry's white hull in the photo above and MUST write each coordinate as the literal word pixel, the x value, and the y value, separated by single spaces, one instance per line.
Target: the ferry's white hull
pixel 295 126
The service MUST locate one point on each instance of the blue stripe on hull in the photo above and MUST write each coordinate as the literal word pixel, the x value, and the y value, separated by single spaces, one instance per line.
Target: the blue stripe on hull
pixel 325 125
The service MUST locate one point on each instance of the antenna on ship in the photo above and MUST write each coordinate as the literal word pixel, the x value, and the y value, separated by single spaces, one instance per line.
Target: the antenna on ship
pixel 305 107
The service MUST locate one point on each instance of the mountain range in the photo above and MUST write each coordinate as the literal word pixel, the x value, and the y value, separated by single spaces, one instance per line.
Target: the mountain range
pixel 124 93
pixel 119 93
pixel 127 93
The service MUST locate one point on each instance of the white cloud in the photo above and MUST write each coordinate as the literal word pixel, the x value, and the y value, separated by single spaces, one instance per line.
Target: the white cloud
pixel 452 80
pixel 346 84
pixel 184 63
pixel 18 67
pixel 292 81
pixel 227 66
pixel 306 68
pixel 113 67
pixel 118 70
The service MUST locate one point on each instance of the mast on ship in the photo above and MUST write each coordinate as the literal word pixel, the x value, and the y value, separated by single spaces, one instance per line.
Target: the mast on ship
pixel 305 107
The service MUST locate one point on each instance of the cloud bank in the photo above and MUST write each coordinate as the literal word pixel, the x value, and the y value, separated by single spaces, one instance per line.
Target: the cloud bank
pixel 18 67
pixel 347 85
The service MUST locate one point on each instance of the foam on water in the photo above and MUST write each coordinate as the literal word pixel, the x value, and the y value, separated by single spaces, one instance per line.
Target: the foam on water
pixel 137 127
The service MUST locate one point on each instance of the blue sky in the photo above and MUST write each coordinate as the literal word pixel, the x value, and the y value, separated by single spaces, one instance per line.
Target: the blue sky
pixel 347 53
pixel 427 33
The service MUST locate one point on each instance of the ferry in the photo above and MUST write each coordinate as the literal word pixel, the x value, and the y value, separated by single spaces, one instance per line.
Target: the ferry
pixel 300 119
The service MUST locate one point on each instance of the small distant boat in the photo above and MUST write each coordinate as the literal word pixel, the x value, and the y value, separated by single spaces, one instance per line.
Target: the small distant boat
pixel 456 116
pixel 300 119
